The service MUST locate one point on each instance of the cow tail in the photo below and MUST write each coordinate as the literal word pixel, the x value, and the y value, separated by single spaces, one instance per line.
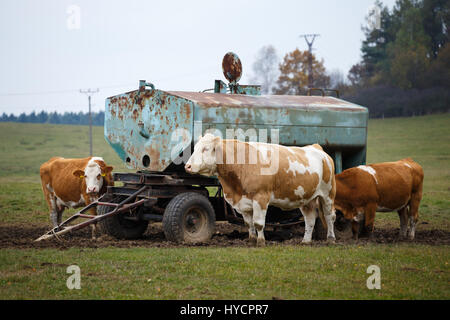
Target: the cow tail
pixel 322 216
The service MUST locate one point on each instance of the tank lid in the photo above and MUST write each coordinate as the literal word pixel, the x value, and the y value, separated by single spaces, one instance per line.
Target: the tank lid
pixel 211 100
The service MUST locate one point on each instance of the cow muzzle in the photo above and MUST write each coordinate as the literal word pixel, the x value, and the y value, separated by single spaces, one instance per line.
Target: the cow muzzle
pixel 92 191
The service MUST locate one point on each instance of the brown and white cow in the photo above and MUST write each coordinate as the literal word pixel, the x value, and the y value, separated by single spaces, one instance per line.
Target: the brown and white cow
pixel 382 187
pixel 73 183
pixel 303 178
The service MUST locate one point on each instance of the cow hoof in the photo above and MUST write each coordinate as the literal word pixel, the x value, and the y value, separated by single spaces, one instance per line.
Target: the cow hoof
pixel 261 243
pixel 253 241
pixel 305 242
pixel 331 240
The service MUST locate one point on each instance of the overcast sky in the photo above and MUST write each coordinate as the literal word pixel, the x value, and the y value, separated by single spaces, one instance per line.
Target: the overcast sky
pixel 47 56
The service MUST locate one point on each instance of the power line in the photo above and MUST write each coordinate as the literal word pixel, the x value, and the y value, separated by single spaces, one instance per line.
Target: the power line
pixel 309 38
pixel 89 93
pixel 185 75
pixel 61 91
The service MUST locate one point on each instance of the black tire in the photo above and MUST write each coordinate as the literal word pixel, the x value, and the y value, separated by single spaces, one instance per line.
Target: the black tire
pixel 320 231
pixel 119 227
pixel 189 218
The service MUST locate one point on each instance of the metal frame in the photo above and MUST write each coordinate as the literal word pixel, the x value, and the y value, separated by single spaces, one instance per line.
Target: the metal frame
pixel 119 208
pixel 145 188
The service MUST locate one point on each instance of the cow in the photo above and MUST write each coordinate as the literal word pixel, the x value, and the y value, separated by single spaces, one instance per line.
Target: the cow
pixel 73 183
pixel 304 178
pixel 382 187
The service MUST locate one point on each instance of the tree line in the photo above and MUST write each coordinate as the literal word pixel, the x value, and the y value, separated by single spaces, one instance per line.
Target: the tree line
pixel 75 118
pixel 404 69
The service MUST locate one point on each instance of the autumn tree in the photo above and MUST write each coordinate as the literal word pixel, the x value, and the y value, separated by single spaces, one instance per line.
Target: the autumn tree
pixel 293 77
pixel 357 74
pixel 265 71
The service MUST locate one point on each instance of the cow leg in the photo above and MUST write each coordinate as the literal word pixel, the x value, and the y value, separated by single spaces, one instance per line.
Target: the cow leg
pixel 93 212
pixel 93 231
pixel 369 212
pixel 59 213
pixel 51 201
pixel 403 215
pixel 412 228
pixel 309 213
pixel 355 229
pixel 326 205
pixel 53 211
pixel 259 221
pixel 357 221
pixel 414 213
pixel 248 220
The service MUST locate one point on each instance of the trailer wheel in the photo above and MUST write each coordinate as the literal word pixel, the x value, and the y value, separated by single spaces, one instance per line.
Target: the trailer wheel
pixel 118 226
pixel 190 218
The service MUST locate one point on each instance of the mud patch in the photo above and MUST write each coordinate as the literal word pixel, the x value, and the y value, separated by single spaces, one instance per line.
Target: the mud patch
pixel 226 235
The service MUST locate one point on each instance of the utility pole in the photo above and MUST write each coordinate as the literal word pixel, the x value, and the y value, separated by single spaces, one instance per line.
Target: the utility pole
pixel 89 93
pixel 309 38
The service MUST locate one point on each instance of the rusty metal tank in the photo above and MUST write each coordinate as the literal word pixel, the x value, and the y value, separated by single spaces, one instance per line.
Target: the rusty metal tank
pixel 149 128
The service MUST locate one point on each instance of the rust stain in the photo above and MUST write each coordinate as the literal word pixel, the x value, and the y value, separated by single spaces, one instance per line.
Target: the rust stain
pixel 135 115
pixel 154 154
pixel 231 67
pixel 187 110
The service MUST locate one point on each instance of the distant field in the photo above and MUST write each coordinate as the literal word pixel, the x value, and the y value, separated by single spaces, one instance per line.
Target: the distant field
pixel 409 270
pixel 24 147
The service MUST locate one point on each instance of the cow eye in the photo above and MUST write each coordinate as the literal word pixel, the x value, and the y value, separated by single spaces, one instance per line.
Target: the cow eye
pixel 98 177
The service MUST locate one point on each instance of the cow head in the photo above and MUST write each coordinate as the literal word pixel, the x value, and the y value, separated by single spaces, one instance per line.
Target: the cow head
pixel 96 175
pixel 347 211
pixel 204 159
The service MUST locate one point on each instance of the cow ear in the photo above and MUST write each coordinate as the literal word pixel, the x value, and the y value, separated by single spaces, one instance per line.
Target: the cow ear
pixel 107 170
pixel 79 174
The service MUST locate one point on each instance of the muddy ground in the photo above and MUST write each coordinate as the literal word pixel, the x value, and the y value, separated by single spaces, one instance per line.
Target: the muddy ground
pixel 226 235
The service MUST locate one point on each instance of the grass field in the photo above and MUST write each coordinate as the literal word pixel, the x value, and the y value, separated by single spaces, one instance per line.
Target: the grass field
pixel 408 270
